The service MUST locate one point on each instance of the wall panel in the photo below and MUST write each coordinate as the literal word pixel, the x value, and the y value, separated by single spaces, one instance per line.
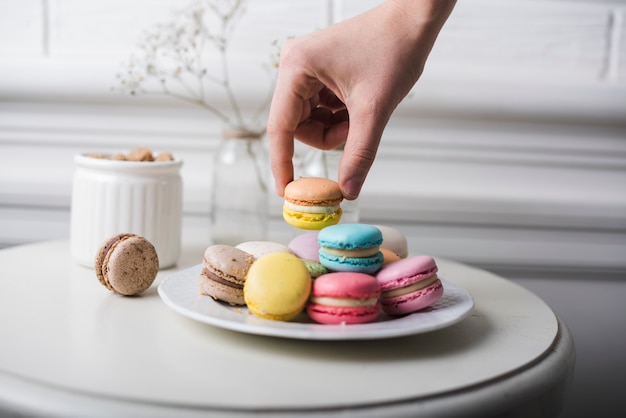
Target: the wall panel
pixel 22 28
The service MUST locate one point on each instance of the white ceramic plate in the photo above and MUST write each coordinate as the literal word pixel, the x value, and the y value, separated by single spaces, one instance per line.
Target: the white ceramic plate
pixel 180 291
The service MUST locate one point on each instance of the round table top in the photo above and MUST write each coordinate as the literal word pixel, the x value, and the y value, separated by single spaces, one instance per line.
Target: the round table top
pixel 64 333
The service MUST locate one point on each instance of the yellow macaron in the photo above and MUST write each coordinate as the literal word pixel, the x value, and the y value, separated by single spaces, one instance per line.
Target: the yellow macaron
pixel 277 287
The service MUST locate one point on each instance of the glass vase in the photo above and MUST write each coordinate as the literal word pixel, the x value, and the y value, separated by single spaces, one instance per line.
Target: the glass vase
pixel 239 201
pixel 320 163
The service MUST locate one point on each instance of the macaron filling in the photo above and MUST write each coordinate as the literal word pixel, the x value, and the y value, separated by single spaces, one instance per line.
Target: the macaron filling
pixel 230 283
pixel 345 302
pixel 327 209
pixel 351 253
pixel 222 276
pixel 410 288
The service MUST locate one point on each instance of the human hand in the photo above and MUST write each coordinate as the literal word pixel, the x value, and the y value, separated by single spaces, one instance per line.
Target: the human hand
pixel 341 84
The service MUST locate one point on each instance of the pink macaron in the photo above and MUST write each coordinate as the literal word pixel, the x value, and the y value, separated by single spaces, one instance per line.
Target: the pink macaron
pixel 344 298
pixel 409 285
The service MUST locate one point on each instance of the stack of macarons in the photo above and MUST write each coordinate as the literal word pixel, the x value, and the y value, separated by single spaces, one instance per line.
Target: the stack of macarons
pixel 337 275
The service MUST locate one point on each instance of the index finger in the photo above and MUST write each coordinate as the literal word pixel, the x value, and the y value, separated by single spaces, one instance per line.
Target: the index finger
pixel 282 121
pixel 289 103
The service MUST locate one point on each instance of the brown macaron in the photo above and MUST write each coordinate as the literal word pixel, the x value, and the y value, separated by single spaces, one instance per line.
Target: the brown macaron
pixel 224 273
pixel 312 203
pixel 127 264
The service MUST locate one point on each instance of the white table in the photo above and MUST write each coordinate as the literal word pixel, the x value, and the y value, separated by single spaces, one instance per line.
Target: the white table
pixel 69 347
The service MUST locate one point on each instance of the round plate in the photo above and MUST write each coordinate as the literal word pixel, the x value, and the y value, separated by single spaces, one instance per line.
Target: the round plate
pixel 180 291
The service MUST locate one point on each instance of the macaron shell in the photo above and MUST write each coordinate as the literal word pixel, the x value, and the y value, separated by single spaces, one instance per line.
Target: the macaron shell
pixel 315 268
pixel 413 302
pixel 333 315
pixel 311 221
pixel 394 240
pixel 260 248
pixel 369 265
pixel 220 291
pixel 346 285
pixel 227 262
pixel 277 287
pixel 313 191
pixel 350 236
pixel 103 251
pixel 406 271
pixel 130 265
pixel 305 246
pixel 389 256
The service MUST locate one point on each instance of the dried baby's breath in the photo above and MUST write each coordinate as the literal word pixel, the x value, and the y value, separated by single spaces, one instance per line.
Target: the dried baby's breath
pixel 187 59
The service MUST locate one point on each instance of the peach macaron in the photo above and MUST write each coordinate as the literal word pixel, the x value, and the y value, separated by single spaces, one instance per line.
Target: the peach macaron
pixel 312 203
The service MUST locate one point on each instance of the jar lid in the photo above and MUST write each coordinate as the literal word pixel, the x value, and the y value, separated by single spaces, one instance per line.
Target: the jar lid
pixel 145 167
pixel 242 134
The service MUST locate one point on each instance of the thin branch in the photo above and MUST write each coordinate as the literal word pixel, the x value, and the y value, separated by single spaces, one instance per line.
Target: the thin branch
pixel 187 99
pixel 229 92
pixel 175 55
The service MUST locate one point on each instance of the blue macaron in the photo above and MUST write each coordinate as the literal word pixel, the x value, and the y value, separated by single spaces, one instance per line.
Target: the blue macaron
pixel 351 247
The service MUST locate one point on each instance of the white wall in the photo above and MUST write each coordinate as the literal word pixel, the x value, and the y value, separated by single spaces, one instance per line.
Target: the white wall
pixel 518 123
pixel 510 154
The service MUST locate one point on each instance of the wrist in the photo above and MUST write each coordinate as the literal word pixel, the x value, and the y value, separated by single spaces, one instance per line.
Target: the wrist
pixel 419 21
pixel 424 13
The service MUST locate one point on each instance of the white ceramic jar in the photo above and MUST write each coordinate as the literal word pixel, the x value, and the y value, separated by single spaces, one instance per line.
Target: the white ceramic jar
pixel 111 197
